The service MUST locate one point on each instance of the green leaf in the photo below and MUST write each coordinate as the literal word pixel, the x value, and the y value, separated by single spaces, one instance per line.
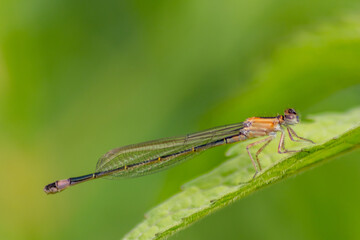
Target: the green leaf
pixel 334 134
pixel 307 68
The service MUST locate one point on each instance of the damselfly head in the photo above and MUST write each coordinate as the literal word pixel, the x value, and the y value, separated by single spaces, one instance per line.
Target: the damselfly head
pixel 290 116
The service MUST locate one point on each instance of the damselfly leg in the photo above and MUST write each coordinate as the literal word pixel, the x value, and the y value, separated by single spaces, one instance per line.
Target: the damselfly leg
pixel 267 141
pixel 292 132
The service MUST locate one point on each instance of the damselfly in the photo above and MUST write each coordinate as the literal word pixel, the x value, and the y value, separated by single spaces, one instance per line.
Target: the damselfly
pixel 149 157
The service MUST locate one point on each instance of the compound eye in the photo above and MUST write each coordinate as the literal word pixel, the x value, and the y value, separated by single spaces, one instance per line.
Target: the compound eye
pixel 291 110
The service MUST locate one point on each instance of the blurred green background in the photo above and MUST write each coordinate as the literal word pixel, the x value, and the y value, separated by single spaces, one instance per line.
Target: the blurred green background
pixel 78 78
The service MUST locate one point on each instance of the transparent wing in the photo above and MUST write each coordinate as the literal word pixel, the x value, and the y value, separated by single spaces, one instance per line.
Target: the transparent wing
pixel 167 148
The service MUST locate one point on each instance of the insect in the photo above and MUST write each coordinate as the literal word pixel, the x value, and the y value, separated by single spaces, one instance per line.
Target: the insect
pixel 149 157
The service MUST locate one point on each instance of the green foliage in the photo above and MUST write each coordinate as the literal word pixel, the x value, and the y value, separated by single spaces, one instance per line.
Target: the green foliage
pixel 77 80
pixel 232 180
pixel 311 66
